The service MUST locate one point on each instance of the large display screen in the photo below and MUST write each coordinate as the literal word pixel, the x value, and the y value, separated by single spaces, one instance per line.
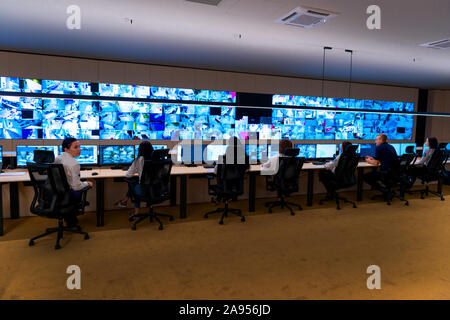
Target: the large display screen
pixel 117 154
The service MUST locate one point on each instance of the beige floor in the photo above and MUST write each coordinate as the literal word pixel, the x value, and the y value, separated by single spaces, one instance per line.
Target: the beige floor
pixel 320 253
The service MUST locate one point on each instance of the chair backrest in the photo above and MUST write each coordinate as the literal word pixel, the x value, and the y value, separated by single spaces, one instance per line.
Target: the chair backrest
pixel 230 176
pixel 438 159
pixel 286 179
pixel 43 156
pixel 346 168
pixel 155 180
pixel 160 154
pixel 60 186
pixel 44 199
pixel 410 150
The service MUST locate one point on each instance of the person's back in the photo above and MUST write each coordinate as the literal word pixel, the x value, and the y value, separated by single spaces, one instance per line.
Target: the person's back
pixel 386 154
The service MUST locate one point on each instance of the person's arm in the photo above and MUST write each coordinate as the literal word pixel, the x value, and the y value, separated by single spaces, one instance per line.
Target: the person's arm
pixel 425 158
pixel 132 170
pixel 73 178
pixel 332 164
pixel 372 161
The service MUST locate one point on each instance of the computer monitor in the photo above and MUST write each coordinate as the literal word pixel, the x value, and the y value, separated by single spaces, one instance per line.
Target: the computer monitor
pixel 1 157
pixel 397 148
pixel 307 151
pixel 155 147
pixel 26 153
pixel 88 155
pixel 190 153
pixel 272 150
pixel 403 147
pixel 325 151
pixel 213 151
pixel 367 150
pixel 116 154
pixel 256 152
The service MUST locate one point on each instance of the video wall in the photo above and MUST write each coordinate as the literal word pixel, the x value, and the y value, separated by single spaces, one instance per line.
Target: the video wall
pixel 50 117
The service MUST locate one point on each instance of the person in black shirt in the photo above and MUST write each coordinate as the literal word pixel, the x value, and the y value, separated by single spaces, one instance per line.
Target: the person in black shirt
pixel 386 157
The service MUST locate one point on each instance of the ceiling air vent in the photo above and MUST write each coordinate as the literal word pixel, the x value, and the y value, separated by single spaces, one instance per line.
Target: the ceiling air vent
pixel 306 17
pixel 441 44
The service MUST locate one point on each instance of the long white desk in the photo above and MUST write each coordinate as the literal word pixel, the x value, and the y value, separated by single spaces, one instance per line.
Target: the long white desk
pixel 181 172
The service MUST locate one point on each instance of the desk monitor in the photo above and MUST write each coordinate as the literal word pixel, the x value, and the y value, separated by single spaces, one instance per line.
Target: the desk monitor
pixel 190 153
pixel 213 151
pixel 307 151
pixel 256 152
pixel 1 157
pixel 273 150
pixel 116 154
pixel 367 150
pixel 88 155
pixel 325 151
pixel 26 153
pixel 155 147
pixel 397 147
pixel 403 147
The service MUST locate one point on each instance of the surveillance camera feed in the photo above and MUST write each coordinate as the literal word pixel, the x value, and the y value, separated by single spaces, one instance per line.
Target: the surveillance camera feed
pixel 26 153
pixel 88 155
pixel 117 154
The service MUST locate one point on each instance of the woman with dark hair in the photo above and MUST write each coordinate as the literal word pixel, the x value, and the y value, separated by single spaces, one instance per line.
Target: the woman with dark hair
pixel 421 166
pixel 145 152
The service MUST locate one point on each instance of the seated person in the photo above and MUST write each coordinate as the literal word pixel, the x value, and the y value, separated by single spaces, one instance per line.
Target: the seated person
pixel 144 154
pixel 271 166
pixel 327 175
pixel 71 148
pixel 386 157
pixel 420 167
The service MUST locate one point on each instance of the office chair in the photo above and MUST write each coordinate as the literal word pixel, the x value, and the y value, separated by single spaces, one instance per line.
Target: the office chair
pixel 397 177
pixel 285 181
pixel 344 175
pixel 52 198
pixel 155 189
pixel 229 185
pixel 410 150
pixel 434 172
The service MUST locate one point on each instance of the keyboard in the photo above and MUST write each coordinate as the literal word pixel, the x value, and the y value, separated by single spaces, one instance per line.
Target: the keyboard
pixel 190 165
pixel 319 163
pixel 209 167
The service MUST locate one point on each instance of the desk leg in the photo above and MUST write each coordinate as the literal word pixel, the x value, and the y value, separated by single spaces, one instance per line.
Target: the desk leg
pixel 100 187
pixel 173 191
pixel 252 192
pixel 310 191
pixel 359 186
pixel 14 199
pixel 183 196
pixel 1 209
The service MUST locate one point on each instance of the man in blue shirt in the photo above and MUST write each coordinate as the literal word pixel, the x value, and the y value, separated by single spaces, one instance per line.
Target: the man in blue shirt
pixel 386 157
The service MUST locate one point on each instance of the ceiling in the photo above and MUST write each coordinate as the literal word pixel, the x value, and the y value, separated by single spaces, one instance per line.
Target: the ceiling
pixel 241 35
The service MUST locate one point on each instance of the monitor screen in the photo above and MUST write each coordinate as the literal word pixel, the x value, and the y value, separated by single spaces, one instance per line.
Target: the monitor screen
pixel 367 150
pixel 116 154
pixel 1 157
pixel 26 153
pixel 213 151
pixel 403 147
pixel 324 151
pixel 308 151
pixel 88 155
pixel 256 152
pixel 190 153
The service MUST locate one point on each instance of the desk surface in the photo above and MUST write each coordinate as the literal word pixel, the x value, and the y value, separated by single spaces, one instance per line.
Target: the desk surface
pixel 176 170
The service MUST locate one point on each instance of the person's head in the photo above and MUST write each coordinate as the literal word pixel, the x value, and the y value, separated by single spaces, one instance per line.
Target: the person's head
pixel 431 142
pixel 145 150
pixel 285 144
pixel 381 138
pixel 72 146
pixel 344 145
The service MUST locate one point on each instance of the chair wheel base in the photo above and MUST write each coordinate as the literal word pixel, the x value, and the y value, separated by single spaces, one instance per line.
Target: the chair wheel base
pixel 292 213
pixel 86 237
pixel 205 216
pixel 243 219
pixel 57 247
pixel 270 210
pixel 160 227
pixel 220 222
pixel 133 227
pixel 354 206
pixel 31 243
pixel 170 218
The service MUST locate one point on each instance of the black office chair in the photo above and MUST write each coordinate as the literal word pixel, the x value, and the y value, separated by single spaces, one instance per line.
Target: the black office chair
pixel 52 198
pixel 229 185
pixel 344 176
pixel 155 189
pixel 285 181
pixel 410 150
pixel 434 172
pixel 397 179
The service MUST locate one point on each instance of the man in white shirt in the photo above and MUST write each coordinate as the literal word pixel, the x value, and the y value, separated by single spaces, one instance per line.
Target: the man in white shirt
pixel 72 150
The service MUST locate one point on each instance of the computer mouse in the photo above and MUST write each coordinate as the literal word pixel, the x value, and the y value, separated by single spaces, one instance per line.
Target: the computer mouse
pixel 95 173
